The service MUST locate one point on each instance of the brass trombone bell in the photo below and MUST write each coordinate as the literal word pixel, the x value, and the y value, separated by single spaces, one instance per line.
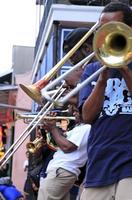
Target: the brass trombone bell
pixel 34 91
pixel 112 44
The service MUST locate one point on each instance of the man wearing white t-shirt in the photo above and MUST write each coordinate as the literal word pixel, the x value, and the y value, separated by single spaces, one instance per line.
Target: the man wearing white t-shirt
pixel 63 170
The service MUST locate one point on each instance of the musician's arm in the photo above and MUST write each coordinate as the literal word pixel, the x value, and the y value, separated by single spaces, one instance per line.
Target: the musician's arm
pixel 127 75
pixel 93 104
pixel 58 135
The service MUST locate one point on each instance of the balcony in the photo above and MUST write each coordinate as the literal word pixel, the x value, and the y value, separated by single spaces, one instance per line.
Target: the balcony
pixel 66 14
pixel 79 3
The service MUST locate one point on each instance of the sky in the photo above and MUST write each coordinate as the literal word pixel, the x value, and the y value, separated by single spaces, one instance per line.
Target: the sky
pixel 17 27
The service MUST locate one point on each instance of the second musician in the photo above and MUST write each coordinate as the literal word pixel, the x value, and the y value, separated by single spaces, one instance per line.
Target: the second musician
pixel 63 170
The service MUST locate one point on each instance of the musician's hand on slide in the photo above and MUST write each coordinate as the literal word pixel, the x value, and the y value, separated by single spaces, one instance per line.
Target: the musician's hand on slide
pixel 103 77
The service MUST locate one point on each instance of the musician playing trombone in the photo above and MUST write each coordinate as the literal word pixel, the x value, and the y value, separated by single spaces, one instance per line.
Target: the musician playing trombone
pixel 70 40
pixel 107 105
pixel 63 170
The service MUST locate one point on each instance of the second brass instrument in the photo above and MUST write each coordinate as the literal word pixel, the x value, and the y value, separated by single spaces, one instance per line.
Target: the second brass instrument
pixel 34 146
pixel 28 118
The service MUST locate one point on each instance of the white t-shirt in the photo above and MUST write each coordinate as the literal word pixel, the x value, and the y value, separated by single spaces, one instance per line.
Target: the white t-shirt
pixel 76 159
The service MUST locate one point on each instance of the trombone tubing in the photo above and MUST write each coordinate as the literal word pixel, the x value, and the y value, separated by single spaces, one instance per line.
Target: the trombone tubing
pixel 19 138
pixel 27 129
pixel 53 71
pixel 57 80
pixel 64 99
pixel 48 117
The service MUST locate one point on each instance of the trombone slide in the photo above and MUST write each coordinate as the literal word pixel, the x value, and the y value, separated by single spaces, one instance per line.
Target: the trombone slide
pixel 73 92
pixel 34 91
pixel 29 128
pixel 112 46
pixel 56 81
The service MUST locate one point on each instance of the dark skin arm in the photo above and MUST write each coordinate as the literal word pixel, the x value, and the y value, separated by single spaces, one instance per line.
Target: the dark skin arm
pixel 65 145
pixel 94 102
pixel 127 75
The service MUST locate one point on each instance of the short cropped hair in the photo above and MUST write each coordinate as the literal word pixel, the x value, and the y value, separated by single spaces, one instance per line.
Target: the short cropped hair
pixel 119 6
pixel 74 37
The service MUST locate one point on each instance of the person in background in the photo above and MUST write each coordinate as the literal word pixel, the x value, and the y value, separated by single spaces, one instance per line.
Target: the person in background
pixel 63 170
pixel 25 164
pixel 70 41
pixel 4 170
pixel 106 104
pixel 8 191
pixel 37 158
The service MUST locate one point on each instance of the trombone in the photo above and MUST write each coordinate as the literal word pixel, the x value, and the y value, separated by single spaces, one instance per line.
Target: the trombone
pixel 112 45
pixel 34 91
pixel 30 127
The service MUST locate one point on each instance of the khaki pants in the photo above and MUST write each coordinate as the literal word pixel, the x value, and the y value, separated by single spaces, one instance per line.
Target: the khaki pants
pixel 119 191
pixel 56 185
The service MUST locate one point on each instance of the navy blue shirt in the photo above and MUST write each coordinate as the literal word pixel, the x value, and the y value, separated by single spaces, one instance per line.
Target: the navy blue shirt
pixel 110 141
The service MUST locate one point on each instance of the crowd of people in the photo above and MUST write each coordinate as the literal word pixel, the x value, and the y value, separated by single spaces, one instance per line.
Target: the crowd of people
pixel 98 145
